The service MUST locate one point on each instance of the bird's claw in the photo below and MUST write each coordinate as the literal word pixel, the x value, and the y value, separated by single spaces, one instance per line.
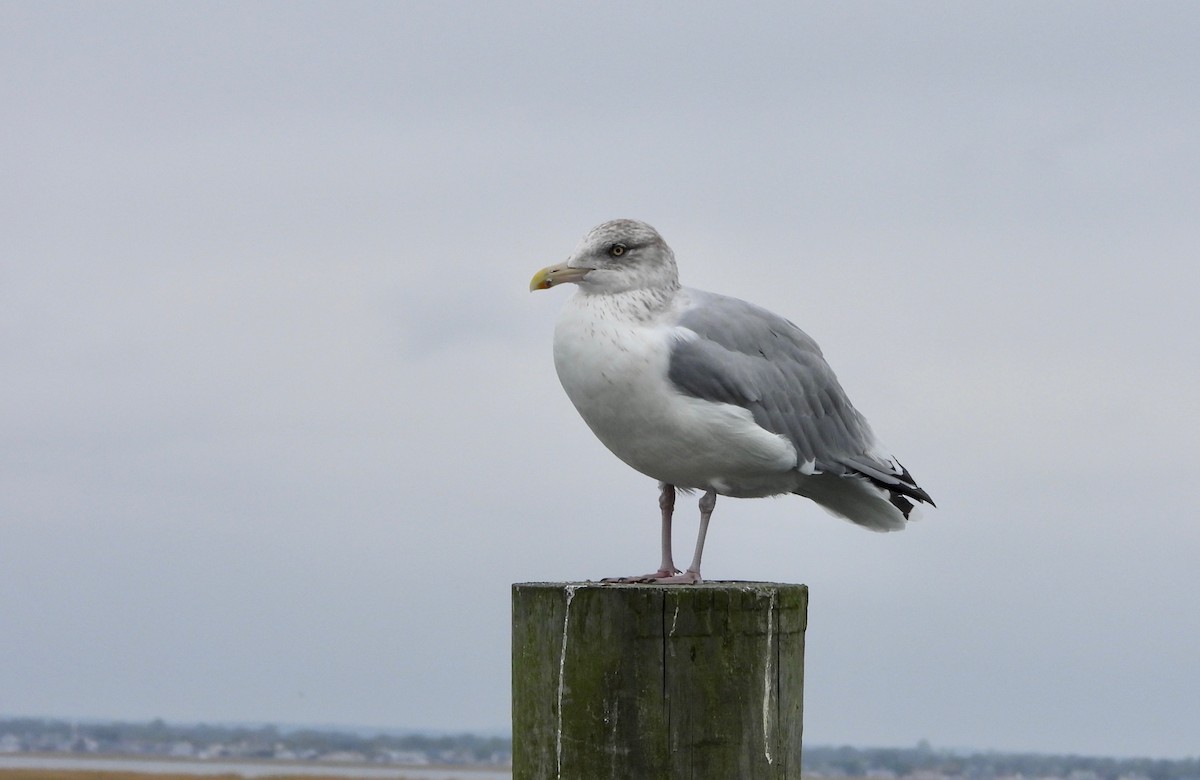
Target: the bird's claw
pixel 660 577
pixel 688 577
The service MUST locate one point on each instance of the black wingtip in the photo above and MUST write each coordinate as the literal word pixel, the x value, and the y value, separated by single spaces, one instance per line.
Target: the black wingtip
pixel 909 487
pixel 903 504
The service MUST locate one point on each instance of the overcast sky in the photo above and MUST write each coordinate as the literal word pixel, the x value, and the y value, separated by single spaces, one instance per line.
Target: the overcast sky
pixel 279 423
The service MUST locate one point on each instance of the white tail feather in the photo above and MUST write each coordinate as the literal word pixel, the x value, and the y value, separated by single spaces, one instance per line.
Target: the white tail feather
pixel 855 499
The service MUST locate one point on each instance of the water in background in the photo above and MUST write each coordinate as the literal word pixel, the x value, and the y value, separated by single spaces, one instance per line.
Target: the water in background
pixel 249 769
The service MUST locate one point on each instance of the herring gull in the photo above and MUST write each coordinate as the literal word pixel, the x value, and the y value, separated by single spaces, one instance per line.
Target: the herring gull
pixel 706 392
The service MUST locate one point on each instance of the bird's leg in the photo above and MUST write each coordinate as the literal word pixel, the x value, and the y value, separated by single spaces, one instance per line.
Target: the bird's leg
pixel 708 502
pixel 666 503
pixel 692 575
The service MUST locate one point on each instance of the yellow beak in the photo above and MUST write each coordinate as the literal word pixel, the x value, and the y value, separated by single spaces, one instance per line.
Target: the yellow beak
pixel 556 274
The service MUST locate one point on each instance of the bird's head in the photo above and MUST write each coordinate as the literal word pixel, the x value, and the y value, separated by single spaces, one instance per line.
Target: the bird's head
pixel 618 256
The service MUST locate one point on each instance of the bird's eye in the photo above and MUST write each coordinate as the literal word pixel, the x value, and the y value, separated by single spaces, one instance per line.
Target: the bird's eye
pixel 616 250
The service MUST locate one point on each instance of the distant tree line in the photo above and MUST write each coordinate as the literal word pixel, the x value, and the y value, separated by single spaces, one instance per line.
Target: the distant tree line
pixel 268 741
pixel 924 760
pixel 158 738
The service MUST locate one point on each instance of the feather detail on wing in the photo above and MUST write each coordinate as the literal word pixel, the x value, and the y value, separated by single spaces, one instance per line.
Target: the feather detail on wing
pixel 730 351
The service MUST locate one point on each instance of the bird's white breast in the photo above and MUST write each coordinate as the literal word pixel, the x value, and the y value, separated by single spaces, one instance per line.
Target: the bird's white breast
pixel 612 353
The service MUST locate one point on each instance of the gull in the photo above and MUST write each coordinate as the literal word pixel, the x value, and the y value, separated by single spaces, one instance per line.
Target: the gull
pixel 701 391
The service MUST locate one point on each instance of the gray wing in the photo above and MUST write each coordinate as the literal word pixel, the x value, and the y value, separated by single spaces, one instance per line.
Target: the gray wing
pixel 750 357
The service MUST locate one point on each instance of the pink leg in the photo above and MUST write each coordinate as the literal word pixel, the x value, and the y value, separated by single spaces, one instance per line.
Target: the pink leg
pixel 667 573
pixel 692 576
pixel 666 503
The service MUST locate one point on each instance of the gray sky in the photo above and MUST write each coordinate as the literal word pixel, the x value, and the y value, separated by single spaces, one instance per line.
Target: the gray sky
pixel 279 423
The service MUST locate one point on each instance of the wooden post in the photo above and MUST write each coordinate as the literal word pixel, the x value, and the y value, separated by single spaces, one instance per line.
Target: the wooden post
pixel 641 682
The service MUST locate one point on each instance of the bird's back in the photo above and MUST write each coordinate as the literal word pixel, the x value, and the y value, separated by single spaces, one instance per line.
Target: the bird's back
pixel 747 356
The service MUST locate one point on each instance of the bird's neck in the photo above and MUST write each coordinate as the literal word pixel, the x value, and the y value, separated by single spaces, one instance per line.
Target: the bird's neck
pixel 639 305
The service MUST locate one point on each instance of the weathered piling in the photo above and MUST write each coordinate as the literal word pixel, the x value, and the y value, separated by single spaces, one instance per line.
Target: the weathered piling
pixel 641 682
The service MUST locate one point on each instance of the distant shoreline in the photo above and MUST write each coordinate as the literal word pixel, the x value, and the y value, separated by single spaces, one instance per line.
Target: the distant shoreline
pixel 18 766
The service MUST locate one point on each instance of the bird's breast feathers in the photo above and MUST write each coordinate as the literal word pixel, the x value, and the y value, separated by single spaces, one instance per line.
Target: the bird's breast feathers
pixel 614 366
